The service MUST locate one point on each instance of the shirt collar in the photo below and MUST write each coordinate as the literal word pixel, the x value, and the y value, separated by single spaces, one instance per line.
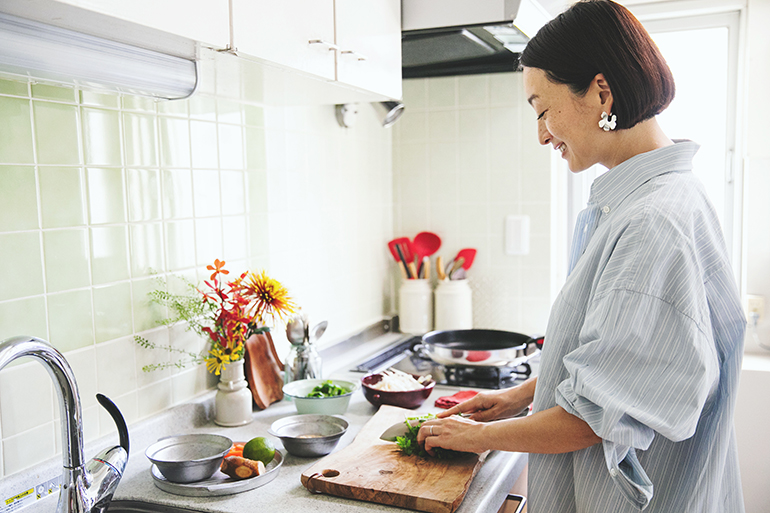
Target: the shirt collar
pixel 609 189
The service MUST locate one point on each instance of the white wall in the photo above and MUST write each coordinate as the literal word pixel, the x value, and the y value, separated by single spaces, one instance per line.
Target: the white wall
pixel 97 189
pixel 751 418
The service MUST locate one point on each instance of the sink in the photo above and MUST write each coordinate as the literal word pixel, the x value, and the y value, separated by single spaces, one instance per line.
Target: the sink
pixel 145 507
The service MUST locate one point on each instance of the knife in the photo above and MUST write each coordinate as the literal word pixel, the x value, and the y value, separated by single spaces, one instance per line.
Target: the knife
pixel 399 429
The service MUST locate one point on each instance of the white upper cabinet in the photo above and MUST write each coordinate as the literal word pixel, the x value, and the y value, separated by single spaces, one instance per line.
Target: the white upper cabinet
pixel 355 43
pixel 369 41
pixel 298 34
pixel 347 50
pixel 170 26
pixel 205 21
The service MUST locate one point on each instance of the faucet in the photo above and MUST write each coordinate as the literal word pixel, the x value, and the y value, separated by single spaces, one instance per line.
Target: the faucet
pixel 85 487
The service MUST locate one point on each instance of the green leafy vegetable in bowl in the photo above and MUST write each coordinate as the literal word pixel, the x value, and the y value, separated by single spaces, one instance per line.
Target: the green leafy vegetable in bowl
pixel 328 389
pixel 409 445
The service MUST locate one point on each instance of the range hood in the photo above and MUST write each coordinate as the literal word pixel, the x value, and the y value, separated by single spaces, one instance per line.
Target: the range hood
pixel 465 37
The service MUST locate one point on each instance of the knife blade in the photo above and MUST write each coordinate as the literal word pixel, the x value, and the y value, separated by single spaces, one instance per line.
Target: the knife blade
pixel 398 429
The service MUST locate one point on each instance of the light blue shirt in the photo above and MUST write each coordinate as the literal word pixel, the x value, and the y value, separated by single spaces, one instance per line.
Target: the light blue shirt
pixel 644 343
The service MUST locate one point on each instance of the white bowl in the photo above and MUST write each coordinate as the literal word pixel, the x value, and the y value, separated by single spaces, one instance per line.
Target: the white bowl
pixel 298 391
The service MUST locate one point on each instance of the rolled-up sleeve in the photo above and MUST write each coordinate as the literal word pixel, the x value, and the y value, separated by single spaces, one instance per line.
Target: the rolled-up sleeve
pixel 641 367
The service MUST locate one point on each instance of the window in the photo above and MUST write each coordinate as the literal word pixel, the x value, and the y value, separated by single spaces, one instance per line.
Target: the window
pixel 702 52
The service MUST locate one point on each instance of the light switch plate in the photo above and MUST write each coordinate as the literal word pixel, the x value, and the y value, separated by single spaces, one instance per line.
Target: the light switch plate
pixel 516 235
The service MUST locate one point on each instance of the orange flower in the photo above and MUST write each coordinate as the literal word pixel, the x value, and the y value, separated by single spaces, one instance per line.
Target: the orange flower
pixel 217 268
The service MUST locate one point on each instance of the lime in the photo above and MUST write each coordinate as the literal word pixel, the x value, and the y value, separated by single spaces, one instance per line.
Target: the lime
pixel 259 449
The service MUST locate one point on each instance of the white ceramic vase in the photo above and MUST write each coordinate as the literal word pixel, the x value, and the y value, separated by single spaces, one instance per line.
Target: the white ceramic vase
pixel 233 400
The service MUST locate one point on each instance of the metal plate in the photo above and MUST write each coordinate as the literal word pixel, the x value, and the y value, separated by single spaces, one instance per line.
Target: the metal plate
pixel 219 483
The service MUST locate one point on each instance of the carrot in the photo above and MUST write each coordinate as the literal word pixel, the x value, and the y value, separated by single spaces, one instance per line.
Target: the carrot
pixel 236 450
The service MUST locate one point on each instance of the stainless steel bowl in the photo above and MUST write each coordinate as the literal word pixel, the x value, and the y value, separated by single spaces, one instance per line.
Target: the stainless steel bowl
pixel 189 458
pixel 309 436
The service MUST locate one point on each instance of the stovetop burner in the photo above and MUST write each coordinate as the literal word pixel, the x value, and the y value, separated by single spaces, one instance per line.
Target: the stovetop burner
pixel 404 356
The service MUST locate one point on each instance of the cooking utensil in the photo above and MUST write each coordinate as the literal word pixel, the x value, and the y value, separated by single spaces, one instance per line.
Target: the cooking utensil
pixel 440 268
pixel 404 262
pixel 398 429
pixel 406 248
pixel 188 458
pixel 395 243
pixel 318 330
pixel 456 264
pixel 295 330
pixel 424 245
pixel 368 463
pixel 405 399
pixel 412 270
pixel 468 255
pixel 309 436
pixel 476 347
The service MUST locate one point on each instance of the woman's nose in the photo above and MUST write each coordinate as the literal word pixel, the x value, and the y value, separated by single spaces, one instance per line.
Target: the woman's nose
pixel 543 135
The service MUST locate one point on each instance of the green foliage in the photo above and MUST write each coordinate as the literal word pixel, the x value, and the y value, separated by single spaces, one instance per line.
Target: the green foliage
pixel 409 445
pixel 189 357
pixel 328 389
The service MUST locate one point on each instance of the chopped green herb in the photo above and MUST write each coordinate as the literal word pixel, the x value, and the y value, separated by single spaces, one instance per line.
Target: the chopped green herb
pixel 409 445
pixel 328 389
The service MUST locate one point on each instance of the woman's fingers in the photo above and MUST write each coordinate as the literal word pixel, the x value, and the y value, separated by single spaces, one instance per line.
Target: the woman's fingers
pixel 455 433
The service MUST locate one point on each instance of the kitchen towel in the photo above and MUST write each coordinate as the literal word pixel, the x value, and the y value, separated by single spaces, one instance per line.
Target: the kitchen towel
pixel 448 401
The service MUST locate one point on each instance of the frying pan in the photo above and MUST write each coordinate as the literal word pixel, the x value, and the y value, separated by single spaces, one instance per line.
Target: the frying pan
pixel 486 348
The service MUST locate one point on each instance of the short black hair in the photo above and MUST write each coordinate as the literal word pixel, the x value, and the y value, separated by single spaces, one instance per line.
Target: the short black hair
pixel 601 36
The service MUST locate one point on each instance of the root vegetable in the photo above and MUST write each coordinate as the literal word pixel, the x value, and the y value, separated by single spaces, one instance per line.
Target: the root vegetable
pixel 242 468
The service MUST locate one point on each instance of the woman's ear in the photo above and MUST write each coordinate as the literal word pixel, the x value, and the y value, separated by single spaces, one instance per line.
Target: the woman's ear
pixel 600 86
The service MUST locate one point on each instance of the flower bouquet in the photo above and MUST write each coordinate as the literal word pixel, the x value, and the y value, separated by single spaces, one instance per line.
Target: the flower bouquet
pixel 226 312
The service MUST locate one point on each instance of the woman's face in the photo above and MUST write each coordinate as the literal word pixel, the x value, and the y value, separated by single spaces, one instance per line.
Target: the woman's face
pixel 568 122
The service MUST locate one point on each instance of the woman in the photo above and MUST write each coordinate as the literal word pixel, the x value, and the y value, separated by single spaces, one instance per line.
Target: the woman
pixel 634 400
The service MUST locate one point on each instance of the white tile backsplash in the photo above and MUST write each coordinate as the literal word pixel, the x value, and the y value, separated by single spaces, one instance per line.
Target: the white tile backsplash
pixel 484 163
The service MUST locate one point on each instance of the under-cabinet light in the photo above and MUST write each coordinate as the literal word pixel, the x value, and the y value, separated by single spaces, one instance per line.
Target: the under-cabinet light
pixel 45 52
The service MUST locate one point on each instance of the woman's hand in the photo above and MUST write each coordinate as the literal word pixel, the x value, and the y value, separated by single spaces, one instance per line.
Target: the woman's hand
pixel 495 405
pixel 456 433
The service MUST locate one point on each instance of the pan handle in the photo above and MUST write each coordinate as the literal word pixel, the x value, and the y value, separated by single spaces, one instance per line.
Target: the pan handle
pixel 537 340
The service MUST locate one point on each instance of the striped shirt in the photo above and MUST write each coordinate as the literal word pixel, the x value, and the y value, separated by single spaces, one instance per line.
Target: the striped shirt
pixel 644 343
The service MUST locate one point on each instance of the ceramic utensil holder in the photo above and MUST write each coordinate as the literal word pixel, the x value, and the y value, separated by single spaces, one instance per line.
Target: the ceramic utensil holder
pixel 454 305
pixel 415 307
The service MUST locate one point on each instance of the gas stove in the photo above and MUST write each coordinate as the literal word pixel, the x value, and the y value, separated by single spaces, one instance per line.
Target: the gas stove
pixel 406 356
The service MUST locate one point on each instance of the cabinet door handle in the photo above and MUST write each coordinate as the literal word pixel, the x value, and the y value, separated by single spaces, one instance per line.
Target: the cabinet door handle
pixel 357 55
pixel 329 46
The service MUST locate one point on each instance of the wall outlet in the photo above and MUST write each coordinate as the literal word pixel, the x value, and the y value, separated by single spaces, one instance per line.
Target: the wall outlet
pixel 755 304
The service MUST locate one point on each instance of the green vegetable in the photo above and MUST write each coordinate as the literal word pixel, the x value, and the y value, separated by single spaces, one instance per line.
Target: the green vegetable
pixel 328 389
pixel 409 445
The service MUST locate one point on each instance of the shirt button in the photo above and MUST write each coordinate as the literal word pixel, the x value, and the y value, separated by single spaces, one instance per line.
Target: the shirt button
pixel 613 472
pixel 606 209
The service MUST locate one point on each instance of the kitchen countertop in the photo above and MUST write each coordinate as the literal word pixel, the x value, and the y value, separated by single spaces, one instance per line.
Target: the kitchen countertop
pixel 285 493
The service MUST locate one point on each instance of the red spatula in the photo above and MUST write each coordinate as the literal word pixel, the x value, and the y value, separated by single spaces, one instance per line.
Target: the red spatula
pixel 403 242
pixel 424 245
pixel 468 254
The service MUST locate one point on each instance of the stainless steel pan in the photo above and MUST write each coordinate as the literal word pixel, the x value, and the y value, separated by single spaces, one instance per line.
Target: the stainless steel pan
pixel 485 348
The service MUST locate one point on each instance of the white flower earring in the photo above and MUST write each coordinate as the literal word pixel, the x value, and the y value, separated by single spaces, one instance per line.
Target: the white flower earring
pixel 607 123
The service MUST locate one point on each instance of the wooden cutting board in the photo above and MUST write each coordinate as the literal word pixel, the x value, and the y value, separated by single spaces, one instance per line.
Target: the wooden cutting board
pixel 263 370
pixel 373 470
